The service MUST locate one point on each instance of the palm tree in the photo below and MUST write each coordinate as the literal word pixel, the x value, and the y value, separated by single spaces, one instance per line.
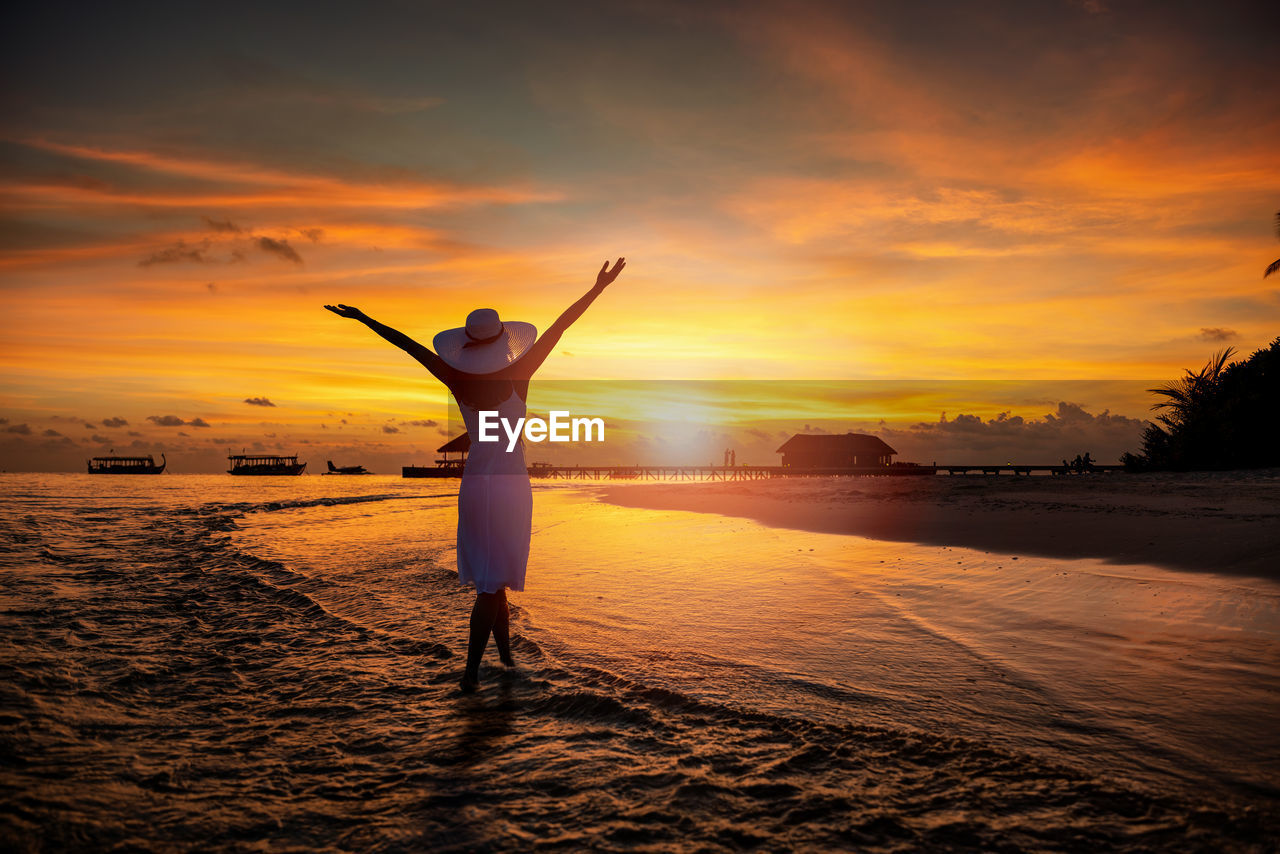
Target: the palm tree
pixel 1275 265
pixel 1185 396
pixel 1222 416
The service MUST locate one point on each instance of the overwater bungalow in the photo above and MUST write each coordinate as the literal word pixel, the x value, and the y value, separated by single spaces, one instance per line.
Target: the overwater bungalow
pixel 126 465
pixel 264 464
pixel 835 451
pixel 446 466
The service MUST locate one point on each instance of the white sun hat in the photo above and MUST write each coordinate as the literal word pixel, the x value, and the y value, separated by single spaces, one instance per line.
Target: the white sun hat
pixel 486 344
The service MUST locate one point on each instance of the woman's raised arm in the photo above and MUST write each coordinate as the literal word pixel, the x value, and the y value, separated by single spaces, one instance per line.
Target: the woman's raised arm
pixel 429 360
pixel 527 364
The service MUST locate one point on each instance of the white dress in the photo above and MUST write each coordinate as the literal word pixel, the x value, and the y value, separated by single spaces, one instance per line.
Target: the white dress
pixel 495 506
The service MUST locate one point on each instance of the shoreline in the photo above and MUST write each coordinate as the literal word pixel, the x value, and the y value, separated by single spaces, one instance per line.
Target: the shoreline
pixel 1226 523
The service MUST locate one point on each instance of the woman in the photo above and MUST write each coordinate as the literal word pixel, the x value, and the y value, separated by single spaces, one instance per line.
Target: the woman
pixel 487 365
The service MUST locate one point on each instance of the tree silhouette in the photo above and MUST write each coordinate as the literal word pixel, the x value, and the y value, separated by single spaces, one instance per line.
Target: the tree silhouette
pixel 1186 397
pixel 1224 416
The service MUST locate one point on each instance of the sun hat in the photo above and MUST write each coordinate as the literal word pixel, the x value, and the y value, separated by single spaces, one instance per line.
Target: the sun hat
pixel 486 344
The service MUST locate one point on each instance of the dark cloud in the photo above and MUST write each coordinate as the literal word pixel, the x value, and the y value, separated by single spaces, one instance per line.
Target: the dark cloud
pixel 166 420
pixel 52 434
pixel 225 226
pixel 1217 333
pixel 183 252
pixel 312 234
pixel 91 426
pixel 134 433
pixel 258 401
pixel 388 428
pixel 178 253
pixel 20 429
pixel 198 422
pixel 279 248
pixel 423 423
pixel 4 420
pixel 1068 415
pixel 1071 429
pixel 101 440
pixel 212 287
pixel 114 422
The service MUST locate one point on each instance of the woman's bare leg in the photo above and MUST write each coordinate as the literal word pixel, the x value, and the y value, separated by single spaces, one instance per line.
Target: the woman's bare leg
pixel 483 615
pixel 502 630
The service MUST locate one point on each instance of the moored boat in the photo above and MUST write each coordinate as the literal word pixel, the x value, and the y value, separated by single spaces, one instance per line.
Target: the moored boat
pixel 264 464
pixel 126 465
pixel 451 470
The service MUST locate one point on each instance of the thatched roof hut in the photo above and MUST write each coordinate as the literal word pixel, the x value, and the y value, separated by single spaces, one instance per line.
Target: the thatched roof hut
pixel 457 445
pixel 822 450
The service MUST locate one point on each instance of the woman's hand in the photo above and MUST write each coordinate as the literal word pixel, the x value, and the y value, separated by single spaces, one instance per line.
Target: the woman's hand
pixel 347 311
pixel 606 276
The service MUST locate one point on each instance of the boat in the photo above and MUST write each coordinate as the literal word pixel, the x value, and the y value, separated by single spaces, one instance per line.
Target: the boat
pixel 264 464
pixel 452 469
pixel 346 469
pixel 126 465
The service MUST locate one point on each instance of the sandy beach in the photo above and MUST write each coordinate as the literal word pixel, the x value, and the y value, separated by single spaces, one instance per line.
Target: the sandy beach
pixel 1222 522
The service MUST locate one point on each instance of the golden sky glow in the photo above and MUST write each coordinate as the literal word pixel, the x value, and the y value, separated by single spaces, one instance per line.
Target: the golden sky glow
pixel 1071 192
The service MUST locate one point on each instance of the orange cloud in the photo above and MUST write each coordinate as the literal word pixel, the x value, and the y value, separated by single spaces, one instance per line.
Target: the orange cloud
pixel 282 188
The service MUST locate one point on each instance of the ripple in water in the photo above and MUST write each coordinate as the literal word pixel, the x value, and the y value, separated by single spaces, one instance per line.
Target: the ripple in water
pixel 216 672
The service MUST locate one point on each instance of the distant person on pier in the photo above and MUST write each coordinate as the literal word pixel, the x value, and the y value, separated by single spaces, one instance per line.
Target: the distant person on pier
pixel 487 365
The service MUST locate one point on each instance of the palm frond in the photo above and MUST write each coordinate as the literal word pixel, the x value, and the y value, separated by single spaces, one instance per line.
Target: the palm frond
pixel 1186 394
pixel 1180 394
pixel 1271 268
pixel 1217 363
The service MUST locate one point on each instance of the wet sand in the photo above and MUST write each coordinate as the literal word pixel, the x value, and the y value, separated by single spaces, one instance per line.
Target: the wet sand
pixel 201 663
pixel 1212 522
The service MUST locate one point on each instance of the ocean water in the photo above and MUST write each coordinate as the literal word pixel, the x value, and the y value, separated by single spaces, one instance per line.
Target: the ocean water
pixel 195 662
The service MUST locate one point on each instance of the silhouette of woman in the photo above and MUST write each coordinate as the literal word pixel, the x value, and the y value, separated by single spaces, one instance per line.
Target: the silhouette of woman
pixel 487 365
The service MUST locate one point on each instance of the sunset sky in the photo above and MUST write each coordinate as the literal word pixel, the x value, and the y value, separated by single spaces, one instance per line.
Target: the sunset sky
pixel 1045 194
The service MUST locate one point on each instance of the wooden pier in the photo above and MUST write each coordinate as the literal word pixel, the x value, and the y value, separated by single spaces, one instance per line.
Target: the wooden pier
pixel 1094 468
pixel 727 473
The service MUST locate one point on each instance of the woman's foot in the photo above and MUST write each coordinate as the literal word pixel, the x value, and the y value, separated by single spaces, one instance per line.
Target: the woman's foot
pixel 507 662
pixel 469 684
